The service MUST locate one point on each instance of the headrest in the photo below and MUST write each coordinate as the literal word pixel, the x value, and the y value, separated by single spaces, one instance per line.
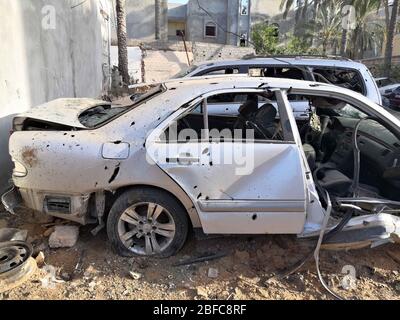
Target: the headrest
pixel 248 108
pixel 267 113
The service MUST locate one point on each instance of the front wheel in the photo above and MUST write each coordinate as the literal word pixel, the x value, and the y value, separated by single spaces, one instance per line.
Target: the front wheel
pixel 147 222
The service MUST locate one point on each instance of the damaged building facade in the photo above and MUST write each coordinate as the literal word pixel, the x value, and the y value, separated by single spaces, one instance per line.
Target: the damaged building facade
pixel 48 44
pixel 220 22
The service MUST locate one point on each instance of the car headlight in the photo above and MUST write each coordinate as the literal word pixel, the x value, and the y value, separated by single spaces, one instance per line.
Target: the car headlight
pixel 19 169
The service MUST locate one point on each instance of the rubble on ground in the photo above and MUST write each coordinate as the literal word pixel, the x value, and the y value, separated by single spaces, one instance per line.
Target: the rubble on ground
pixel 64 237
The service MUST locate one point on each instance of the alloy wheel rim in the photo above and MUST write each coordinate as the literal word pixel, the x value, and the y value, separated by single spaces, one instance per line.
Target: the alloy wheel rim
pixel 146 228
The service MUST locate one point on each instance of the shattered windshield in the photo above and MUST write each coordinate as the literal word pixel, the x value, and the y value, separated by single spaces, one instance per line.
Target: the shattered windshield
pixel 345 78
pixel 96 116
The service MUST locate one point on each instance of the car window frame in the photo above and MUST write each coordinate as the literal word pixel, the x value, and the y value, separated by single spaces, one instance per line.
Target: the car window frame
pixel 189 107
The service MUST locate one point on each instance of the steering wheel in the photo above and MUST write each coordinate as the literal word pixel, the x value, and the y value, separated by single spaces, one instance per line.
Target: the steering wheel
pixel 257 128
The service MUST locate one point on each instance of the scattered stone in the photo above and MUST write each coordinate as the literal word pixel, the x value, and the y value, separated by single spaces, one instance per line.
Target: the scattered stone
pixel 66 276
pixel 40 259
pixel 135 275
pixel 64 237
pixel 202 292
pixel 213 273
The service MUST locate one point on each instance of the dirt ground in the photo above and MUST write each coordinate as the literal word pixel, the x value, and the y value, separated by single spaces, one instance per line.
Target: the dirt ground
pixel 91 270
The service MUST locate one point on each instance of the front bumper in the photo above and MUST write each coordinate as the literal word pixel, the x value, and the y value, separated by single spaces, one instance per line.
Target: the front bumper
pixel 11 200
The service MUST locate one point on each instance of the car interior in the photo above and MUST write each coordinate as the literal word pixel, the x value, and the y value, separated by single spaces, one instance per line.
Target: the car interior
pixel 328 141
pixel 335 131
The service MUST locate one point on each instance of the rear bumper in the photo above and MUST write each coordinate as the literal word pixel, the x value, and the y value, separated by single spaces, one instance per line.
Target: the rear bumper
pixel 73 207
pixel 11 200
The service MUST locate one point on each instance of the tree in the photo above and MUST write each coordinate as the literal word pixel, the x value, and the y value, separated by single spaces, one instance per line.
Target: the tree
pixel 390 38
pixel 122 41
pixel 286 6
pixel 265 39
pixel 328 22
pixel 365 30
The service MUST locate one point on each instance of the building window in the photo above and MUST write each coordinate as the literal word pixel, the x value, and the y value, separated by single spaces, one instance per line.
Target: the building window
pixel 244 7
pixel 210 29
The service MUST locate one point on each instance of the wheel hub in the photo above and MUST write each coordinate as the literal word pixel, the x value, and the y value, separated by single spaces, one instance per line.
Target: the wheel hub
pixel 12 255
pixel 146 228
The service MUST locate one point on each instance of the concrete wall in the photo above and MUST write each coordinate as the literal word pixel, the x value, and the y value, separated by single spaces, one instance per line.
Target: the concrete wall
pixel 162 65
pixel 197 19
pixel 208 51
pixel 135 56
pixel 140 19
pixel 39 65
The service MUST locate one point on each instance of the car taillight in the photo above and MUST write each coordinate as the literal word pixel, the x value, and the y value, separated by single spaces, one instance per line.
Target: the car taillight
pixel 19 170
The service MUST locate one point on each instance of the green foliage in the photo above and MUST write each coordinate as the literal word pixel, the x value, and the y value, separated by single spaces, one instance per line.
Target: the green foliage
pixel 265 38
pixel 300 46
pixel 266 42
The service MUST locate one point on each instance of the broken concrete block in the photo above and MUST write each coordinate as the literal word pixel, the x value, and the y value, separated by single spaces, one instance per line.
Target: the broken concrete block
pixel 40 259
pixel 64 237
pixel 213 273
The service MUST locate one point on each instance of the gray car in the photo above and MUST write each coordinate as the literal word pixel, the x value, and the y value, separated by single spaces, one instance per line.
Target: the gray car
pixel 174 160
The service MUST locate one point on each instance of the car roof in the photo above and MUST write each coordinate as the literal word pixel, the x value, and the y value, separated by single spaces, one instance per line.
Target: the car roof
pixel 240 81
pixel 297 61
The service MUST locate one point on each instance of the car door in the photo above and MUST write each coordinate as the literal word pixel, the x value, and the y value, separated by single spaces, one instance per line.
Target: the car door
pixel 238 185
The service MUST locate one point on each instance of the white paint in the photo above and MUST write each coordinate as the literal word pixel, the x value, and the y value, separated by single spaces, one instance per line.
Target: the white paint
pixel 134 62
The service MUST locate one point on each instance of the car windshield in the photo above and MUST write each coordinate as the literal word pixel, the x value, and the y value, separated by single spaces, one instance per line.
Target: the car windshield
pixel 96 116
pixel 185 72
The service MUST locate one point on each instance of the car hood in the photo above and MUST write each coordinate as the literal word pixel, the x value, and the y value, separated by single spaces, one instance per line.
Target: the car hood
pixel 63 111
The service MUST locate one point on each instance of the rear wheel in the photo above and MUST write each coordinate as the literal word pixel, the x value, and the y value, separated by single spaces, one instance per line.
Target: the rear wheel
pixel 147 222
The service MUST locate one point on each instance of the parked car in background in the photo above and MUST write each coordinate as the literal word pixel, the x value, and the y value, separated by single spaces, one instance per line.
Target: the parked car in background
pixel 386 85
pixel 174 160
pixel 394 98
pixel 338 71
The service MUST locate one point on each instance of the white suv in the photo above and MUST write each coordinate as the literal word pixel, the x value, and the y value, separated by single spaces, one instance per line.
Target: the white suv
pixel 334 70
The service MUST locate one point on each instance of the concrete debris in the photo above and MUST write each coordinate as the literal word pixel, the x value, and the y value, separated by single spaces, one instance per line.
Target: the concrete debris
pixel 213 273
pixel 64 237
pixel 12 234
pixel 135 275
pixel 202 292
pixel 40 259
pixel 49 281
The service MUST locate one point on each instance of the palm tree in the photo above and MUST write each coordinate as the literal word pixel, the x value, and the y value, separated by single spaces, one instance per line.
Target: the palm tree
pixel 390 37
pixel 363 34
pixel 328 21
pixel 300 12
pixel 122 41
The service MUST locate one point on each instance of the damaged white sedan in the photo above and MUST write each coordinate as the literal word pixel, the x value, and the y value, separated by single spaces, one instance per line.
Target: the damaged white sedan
pixel 220 155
